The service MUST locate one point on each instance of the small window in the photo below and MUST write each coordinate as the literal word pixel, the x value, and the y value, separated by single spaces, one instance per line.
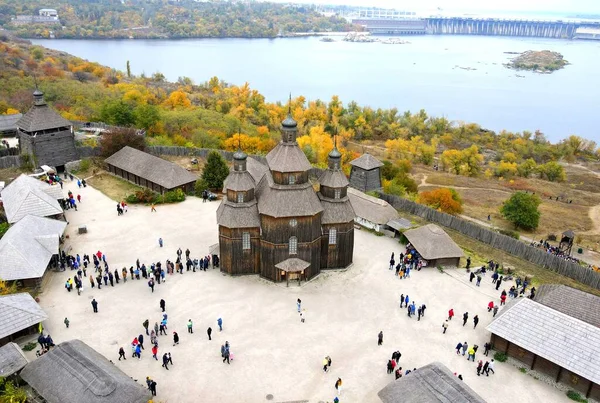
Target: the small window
pixel 293 223
pixel 337 193
pixel 293 245
pixel 332 236
pixel 240 197
pixel 238 167
pixel 245 240
pixel 335 165
pixel 292 179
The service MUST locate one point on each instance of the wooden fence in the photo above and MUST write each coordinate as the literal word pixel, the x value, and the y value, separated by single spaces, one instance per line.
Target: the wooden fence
pixel 10 161
pixel 498 241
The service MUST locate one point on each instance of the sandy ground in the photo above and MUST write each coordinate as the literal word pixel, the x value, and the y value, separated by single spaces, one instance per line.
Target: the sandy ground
pixel 274 352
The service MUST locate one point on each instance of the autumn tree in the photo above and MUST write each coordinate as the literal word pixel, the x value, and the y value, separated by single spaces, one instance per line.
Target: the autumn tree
pixel 215 171
pixel 552 171
pixel 446 200
pixel 117 112
pixel 526 168
pixel 113 141
pixel 521 209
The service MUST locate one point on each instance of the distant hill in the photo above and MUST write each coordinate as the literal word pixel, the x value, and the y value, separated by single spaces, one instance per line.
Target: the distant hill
pixel 162 19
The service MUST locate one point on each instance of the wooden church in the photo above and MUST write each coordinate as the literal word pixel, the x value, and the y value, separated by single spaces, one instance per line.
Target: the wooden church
pixel 273 223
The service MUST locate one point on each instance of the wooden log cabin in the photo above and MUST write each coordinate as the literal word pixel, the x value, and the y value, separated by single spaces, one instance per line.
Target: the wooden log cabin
pixel 273 223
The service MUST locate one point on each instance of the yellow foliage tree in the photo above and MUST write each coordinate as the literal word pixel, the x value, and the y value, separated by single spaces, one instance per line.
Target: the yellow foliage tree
pixel 317 144
pixel 177 100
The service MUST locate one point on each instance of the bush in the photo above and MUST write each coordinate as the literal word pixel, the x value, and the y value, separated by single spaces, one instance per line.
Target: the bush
pixel 523 370
pixel 30 346
pixel 507 232
pixel 173 196
pixel 521 209
pixel 85 164
pixel 200 186
pixel 500 357
pixel 142 196
pixel 571 394
pixel 3 228
pixel 551 237
pixel 443 199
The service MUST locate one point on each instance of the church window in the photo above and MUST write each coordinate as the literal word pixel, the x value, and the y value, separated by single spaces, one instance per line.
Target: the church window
pixel 293 245
pixel 292 179
pixel 337 193
pixel 293 223
pixel 332 236
pixel 240 197
pixel 245 240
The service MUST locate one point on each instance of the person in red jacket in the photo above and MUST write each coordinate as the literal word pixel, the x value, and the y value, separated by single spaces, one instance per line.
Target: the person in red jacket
pixel 490 306
pixel 155 351
pixel 450 314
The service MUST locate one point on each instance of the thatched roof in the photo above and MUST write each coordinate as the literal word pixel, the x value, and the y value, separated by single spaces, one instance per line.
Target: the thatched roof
pixel 18 312
pixel 292 265
pixel 553 335
pixel 371 208
pixel 12 359
pixel 433 383
pixel 336 211
pixel 28 246
pixel 8 123
pixel 287 157
pixel 26 195
pixel 73 372
pixel 333 179
pixel 570 301
pixel 238 215
pixel 400 224
pixel 154 169
pixel 41 117
pixel 432 242
pixel 286 200
pixel 366 162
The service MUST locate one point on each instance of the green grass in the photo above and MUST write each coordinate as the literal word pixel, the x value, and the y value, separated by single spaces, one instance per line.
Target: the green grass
pixel 115 188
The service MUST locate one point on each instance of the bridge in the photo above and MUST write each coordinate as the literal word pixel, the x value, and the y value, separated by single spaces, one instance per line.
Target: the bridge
pixel 403 23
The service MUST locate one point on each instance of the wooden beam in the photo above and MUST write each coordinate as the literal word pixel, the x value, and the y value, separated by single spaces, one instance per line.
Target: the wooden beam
pixel 559 373
pixel 533 362
pixel 589 389
pixel 507 345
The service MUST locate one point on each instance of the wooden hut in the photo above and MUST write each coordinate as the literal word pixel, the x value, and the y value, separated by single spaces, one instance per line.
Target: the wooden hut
pixel 46 135
pixel 434 245
pixel 28 248
pixel 551 342
pixel 365 174
pixel 12 360
pixel 433 383
pixel 149 171
pixel 29 196
pixel 73 372
pixel 8 124
pixel 371 212
pixel 271 214
pixel 20 316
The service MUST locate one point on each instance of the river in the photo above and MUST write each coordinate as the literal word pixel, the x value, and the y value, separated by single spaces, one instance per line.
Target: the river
pixel 428 73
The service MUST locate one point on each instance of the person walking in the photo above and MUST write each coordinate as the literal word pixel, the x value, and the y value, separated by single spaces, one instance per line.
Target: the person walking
pixel 471 277
pixel 490 367
pixel 138 352
pixel 189 326
pixel 151 284
pixel 458 348
pixel 475 321
pixel 220 323
pixel 401 300
pixel 479 367
pixel 153 210
pixel 498 283
pixel 338 386
pixel 162 304
pixel 445 326
pixel 95 305
pixel 490 306
pixel 325 364
pixel 153 387
pixel 465 318
pixel 478 281
pixel 155 351
pixel 175 338
pixel 66 322
pixel 464 348
pixel 209 332
pixel 146 324
pixel 380 338
pixel 121 353
pixel 485 368
pixel 141 341
pixel 160 242
pixel 299 304
pixel 165 361
pixel 450 314
pixel 471 354
pixel 486 348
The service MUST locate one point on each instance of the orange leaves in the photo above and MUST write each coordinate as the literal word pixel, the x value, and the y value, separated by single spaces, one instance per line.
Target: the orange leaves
pixel 443 199
pixel 177 100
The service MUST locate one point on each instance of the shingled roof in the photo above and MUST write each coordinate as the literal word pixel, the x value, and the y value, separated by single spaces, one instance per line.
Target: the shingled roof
pixel 292 265
pixel 287 200
pixel 256 168
pixel 371 208
pixel 336 211
pixel 367 162
pixel 18 312
pixel 238 215
pixel 553 335
pixel 149 167
pixel 432 242
pixel 287 157
pixel 570 301
pixel 41 117
pixel 73 372
pixel 333 179
pixel 12 359
pixel 29 196
pixel 239 181
pixel 28 246
pixel 8 123
pixel 433 383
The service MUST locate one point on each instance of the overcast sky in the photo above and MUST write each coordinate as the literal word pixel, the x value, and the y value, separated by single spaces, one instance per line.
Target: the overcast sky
pixel 579 6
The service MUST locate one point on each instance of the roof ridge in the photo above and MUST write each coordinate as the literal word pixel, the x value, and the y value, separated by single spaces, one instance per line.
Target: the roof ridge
pixel 20 307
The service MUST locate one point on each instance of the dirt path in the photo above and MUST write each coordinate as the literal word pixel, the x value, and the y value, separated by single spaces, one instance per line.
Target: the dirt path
pixel 424 183
pixel 594 214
